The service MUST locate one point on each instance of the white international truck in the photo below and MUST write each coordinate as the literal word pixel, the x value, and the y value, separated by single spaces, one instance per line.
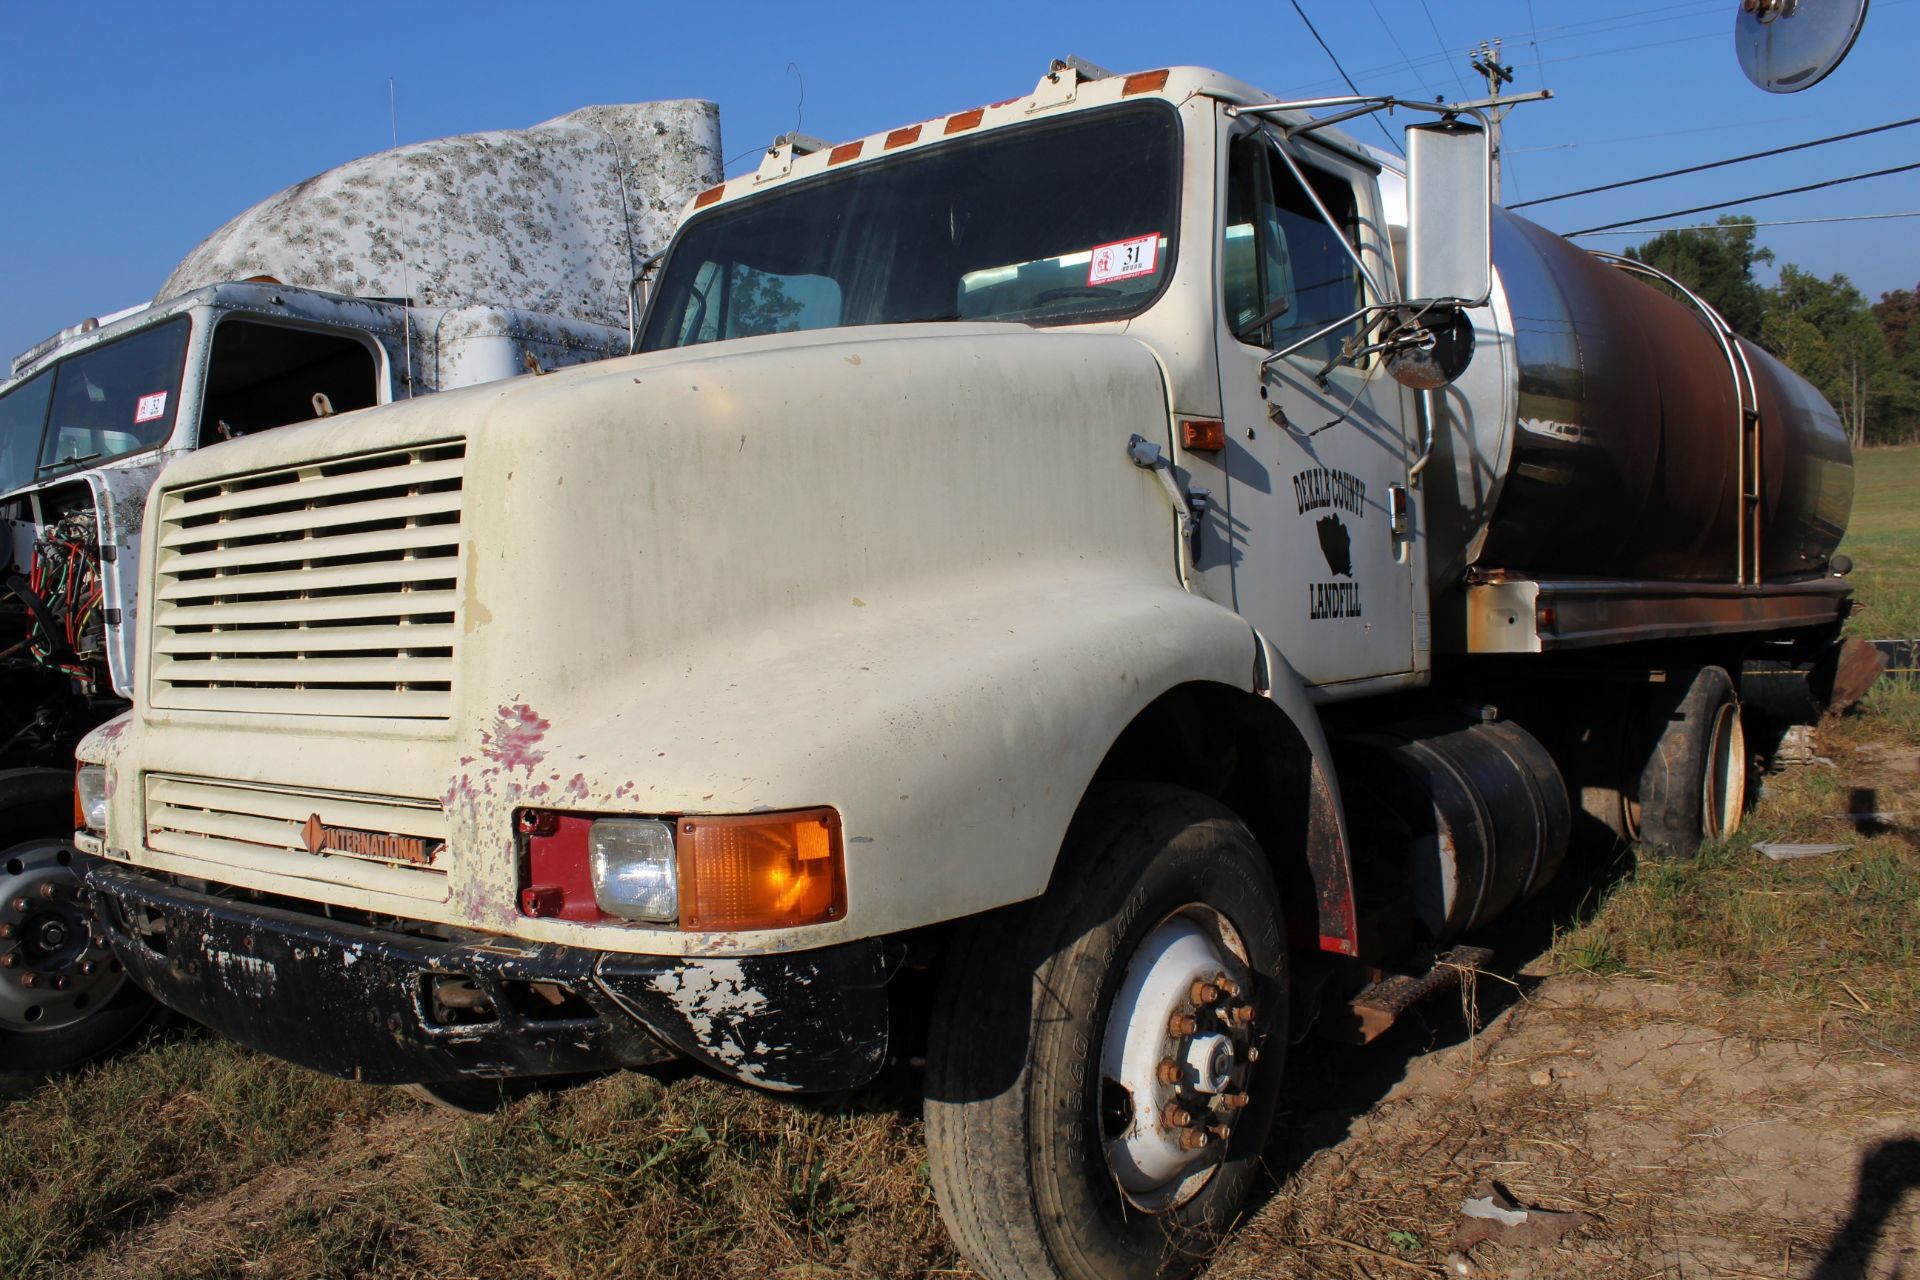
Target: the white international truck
pixel 440 264
pixel 1011 611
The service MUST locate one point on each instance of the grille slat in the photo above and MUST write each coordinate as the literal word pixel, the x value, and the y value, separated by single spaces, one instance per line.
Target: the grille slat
pixel 340 546
pixel 415 636
pixel 314 522
pixel 175 794
pixel 331 588
pixel 317 578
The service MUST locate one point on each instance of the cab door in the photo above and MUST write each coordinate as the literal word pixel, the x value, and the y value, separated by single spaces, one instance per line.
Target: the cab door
pixel 1318 516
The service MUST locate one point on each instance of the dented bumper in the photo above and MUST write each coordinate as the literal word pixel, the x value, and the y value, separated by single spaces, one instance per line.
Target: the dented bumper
pixel 388 1007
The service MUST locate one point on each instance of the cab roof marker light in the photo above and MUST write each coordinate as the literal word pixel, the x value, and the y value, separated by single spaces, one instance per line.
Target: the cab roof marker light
pixel 1144 82
pixel 965 120
pixel 845 151
pixel 902 137
pixel 709 196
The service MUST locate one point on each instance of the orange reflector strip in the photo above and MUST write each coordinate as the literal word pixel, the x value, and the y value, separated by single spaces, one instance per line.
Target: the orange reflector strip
pixel 845 151
pixel 708 196
pixel 1144 82
pixel 965 120
pixel 762 870
pixel 1204 435
pixel 901 137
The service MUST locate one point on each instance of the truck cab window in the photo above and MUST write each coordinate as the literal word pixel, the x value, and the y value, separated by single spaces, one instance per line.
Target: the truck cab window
pixel 1280 259
pixel 266 375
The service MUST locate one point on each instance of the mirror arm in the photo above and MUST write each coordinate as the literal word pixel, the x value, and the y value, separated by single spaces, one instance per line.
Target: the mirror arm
pixel 1373 286
pixel 1318 334
pixel 635 306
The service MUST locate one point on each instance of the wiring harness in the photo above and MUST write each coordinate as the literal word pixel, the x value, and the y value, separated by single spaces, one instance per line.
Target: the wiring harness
pixel 63 592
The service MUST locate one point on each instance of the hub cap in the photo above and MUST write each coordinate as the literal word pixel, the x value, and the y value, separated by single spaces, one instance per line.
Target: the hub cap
pixel 51 972
pixel 1179 1046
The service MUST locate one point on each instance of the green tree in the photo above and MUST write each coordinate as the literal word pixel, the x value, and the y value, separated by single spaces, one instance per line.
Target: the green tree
pixel 1716 263
pixel 1826 331
pixel 1898 313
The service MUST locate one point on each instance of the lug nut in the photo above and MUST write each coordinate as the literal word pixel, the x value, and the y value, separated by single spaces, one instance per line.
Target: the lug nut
pixel 1235 1101
pixel 99 943
pixel 1203 992
pixel 6 930
pixel 60 982
pixel 1168 1071
pixel 1253 1054
pixel 9 960
pixel 20 904
pixel 1194 1139
pixel 1176 1116
pixel 1221 1132
pixel 87 968
pixel 48 890
pixel 1182 1024
pixel 1243 1014
pixel 1227 985
pixel 29 979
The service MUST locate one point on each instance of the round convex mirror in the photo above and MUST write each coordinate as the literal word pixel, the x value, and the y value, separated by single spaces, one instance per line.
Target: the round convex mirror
pixel 1442 353
pixel 1785 46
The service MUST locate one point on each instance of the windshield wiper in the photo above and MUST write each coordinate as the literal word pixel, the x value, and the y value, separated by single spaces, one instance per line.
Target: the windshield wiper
pixel 66 462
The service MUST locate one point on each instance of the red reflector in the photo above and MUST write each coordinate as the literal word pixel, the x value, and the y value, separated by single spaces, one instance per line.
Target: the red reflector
pixel 901 137
pixel 708 196
pixel 845 151
pixel 1203 435
pixel 965 120
pixel 1144 82
pixel 556 881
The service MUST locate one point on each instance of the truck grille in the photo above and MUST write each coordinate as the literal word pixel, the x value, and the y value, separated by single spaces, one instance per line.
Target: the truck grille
pixel 379 843
pixel 326 589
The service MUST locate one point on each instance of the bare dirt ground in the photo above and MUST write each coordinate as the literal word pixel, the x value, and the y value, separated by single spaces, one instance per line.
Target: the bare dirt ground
pixel 1700 1137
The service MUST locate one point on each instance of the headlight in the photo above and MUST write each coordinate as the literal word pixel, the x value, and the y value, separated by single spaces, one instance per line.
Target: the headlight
pixel 90 797
pixel 636 874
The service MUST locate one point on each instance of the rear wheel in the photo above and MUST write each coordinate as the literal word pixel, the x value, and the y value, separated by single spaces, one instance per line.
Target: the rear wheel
pixel 64 1000
pixel 1694 785
pixel 1104 1061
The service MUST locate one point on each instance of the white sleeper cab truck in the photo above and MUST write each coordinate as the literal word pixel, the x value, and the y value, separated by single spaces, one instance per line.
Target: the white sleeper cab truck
pixel 1118 550
pixel 316 328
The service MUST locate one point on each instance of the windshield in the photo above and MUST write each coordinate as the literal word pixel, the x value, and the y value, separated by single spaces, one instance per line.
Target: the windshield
pixel 115 399
pixel 1066 221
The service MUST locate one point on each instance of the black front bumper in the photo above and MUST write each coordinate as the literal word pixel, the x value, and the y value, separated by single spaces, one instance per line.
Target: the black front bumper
pixel 357 1002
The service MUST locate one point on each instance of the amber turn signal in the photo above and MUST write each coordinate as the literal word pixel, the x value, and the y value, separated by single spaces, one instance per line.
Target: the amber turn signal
pixel 762 870
pixel 1203 435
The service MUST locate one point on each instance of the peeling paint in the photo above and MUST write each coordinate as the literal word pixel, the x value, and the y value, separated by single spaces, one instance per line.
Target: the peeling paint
pixel 511 742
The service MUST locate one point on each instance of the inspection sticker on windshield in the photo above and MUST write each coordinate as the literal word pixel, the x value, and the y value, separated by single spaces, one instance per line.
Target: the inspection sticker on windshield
pixel 1124 259
pixel 150 407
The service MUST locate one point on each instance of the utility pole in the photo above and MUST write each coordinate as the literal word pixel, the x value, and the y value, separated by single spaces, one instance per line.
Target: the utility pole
pixel 1486 61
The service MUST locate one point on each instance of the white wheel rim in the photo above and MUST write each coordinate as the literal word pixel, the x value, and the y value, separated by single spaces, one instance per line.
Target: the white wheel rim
pixel 1154 1070
pixel 1723 790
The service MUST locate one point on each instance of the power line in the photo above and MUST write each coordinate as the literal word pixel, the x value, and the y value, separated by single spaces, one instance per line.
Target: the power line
pixel 1720 164
pixel 1769 195
pixel 1745 223
pixel 1343 72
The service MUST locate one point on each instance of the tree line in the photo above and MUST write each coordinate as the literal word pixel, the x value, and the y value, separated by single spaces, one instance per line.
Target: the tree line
pixel 1863 357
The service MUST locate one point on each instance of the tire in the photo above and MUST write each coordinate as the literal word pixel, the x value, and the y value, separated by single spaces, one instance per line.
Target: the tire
pixel 47 1029
pixel 1044 1163
pixel 1694 785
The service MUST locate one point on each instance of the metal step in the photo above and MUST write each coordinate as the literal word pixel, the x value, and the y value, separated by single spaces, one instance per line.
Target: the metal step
pixel 1367 1016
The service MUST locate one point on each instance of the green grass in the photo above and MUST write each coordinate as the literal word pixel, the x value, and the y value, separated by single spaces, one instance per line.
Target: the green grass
pixel 1883 538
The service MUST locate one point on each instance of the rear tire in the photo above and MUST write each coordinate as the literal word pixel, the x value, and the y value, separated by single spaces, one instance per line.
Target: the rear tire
pixel 1694 785
pixel 1059 1063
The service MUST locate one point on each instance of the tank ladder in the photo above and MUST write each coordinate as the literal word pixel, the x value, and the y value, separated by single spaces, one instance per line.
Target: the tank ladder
pixel 1747 555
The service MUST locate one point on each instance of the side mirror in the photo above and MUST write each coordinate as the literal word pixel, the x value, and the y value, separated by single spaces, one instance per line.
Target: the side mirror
pixel 639 294
pixel 1449 214
pixel 1431 351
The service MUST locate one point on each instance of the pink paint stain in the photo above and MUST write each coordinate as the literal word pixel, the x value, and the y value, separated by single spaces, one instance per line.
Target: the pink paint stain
pixel 512 741
pixel 578 787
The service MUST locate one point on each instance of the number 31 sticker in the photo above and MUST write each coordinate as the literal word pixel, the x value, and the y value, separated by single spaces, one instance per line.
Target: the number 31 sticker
pixel 150 408
pixel 1124 259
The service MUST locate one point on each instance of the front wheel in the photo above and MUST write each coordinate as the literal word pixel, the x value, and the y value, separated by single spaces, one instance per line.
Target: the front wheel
pixel 63 998
pixel 1105 1060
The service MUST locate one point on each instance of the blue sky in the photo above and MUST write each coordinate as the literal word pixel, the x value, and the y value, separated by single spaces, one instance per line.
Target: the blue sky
pixel 133 130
